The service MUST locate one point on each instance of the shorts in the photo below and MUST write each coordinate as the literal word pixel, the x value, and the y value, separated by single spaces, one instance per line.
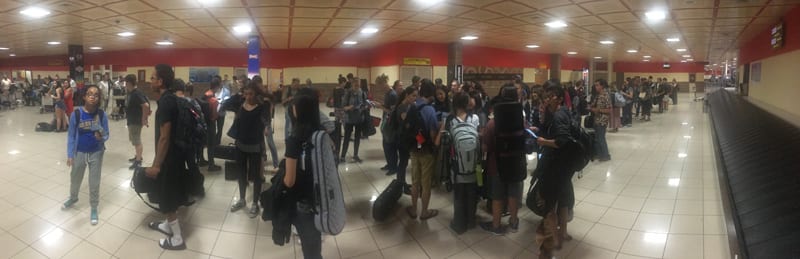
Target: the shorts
pixel 422 167
pixel 500 190
pixel 135 134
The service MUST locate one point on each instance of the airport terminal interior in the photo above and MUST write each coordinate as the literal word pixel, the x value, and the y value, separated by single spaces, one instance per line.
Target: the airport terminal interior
pixel 671 189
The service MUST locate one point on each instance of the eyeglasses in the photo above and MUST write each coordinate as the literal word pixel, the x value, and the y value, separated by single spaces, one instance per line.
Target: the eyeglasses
pixel 93 95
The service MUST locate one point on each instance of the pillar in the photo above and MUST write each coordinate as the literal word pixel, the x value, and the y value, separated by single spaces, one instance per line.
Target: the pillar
pixel 455 63
pixel 555 67
pixel 253 53
pixel 76 71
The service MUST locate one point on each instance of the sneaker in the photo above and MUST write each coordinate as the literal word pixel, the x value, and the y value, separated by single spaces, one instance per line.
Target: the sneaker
pixel 489 228
pixel 357 159
pixel 93 217
pixel 214 168
pixel 135 164
pixel 68 204
pixel 513 227
pixel 132 159
pixel 237 206
pixel 202 163
pixel 385 168
pixel 342 160
pixel 391 172
pixel 253 211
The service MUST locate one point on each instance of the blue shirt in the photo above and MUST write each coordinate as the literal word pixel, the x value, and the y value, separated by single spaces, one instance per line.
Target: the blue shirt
pixel 81 136
pixel 428 115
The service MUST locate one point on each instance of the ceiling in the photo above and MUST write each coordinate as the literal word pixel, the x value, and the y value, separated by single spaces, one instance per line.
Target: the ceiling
pixel 711 30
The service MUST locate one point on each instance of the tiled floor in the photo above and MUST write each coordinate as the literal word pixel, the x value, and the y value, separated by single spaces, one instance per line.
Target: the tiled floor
pixel 657 198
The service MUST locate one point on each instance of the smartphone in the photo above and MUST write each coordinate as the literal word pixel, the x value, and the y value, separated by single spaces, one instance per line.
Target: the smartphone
pixel 531 133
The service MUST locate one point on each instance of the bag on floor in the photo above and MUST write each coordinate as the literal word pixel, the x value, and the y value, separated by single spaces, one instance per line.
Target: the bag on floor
pixel 383 206
pixel 45 127
pixel 510 135
pixel 226 152
pixel 232 170
pixel 320 160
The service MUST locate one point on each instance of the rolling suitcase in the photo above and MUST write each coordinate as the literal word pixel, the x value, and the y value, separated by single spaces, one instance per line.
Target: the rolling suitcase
pixel 382 207
pixel 232 170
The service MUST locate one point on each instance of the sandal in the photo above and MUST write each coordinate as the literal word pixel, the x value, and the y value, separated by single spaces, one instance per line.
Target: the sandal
pixel 411 213
pixel 154 226
pixel 166 244
pixel 431 214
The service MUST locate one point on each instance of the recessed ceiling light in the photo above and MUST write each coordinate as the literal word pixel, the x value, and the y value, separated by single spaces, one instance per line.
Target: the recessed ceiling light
pixel 4 48
pixel 681 50
pixel 686 56
pixel 556 24
pixel 242 29
pixel 53 43
pixel 35 12
pixel 632 51
pixel 572 53
pixel 646 60
pixel 95 48
pixel 469 37
pixel 532 46
pixel 674 39
pixel 598 57
pixel 606 42
pixel 164 43
pixel 655 16
pixel 350 42
pixel 648 56
pixel 126 34
pixel 12 55
pixel 370 30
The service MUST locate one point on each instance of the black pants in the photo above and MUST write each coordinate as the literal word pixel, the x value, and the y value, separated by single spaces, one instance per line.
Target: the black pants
pixel 220 125
pixel 391 152
pixel 627 116
pixel 250 164
pixel 348 132
pixel 211 143
pixel 402 162
pixel 647 106
pixel 337 136
pixel 310 237
pixel 637 105
pixel 465 205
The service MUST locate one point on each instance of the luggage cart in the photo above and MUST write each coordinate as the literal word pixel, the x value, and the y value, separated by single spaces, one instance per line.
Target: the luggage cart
pixel 118 109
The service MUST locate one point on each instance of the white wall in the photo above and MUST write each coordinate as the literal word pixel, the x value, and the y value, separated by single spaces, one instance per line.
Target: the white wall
pixel 440 72
pixel 318 75
pixel 393 72
pixel 778 85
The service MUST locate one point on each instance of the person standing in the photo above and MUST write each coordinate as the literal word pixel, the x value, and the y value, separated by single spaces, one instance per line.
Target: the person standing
pixel 674 93
pixel 287 103
pixel 251 127
pixel 104 90
pixel 211 117
pixel 169 165
pixel 601 107
pixel 138 113
pixel 85 146
pixel 627 110
pixel 222 94
pixel 354 103
pixel 390 150
pixel 423 157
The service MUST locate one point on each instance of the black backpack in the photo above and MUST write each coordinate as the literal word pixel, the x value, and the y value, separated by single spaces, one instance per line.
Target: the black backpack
pixel 414 125
pixel 580 150
pixel 190 131
pixel 509 141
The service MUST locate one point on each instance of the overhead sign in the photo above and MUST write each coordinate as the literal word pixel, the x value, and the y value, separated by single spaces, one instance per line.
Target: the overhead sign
pixel 417 61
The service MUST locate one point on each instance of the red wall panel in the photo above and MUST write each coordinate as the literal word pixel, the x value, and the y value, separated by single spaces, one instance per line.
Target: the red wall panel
pixel 657 67
pixel 393 53
pixel 760 46
pixel 494 57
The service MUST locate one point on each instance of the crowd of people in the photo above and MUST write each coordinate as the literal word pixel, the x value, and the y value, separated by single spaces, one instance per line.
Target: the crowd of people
pixel 422 125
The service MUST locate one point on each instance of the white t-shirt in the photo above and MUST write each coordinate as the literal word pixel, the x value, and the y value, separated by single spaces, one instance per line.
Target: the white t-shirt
pixel 103 85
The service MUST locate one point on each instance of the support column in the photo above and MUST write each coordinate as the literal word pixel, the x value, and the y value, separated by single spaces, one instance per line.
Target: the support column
pixel 76 72
pixel 592 71
pixel 555 67
pixel 455 61
pixel 253 53
pixel 612 75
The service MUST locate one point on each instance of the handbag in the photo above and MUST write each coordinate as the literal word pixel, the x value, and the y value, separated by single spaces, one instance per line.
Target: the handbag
pixel 226 152
pixel 141 183
pixel 534 200
pixel 588 121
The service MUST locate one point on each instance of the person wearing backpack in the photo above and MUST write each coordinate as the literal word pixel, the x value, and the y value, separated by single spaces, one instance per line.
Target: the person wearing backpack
pixel 463 131
pixel 299 183
pixel 601 108
pixel 421 129
pixel 169 165
pixel 86 138
pixel 555 178
pixel 251 121
pixel 503 142
pixel 210 106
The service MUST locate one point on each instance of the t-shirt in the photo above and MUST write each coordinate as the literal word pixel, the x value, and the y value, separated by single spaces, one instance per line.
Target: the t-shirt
pixel 167 112
pixel 303 188
pixel 428 115
pixel 251 124
pixel 88 123
pixel 602 102
pixel 134 107
pixel 389 101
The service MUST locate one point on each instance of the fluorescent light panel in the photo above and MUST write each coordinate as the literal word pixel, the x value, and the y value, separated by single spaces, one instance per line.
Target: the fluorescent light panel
pixel 350 42
pixel 164 43
pixel 469 37
pixel 4 48
pixel 632 51
pixel 681 50
pixel 35 12
pixel 556 24
pixel 95 48
pixel 12 55
pixel 598 57
pixel 242 29
pixel 532 46
pixel 572 52
pixel 53 42
pixel 674 39
pixel 606 42
pixel 648 56
pixel 370 30
pixel 656 15
pixel 126 34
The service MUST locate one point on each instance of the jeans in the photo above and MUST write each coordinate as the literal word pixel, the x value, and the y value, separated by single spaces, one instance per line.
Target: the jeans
pixel 348 132
pixel 627 117
pixel 95 162
pixel 271 144
pixel 390 151
pixel 310 237
pixel 600 145
pixel 402 163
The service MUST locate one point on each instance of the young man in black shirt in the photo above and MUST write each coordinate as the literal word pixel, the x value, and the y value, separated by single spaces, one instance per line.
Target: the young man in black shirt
pixel 138 112
pixel 169 166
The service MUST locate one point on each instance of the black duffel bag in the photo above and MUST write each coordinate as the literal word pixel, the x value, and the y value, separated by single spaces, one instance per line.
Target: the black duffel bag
pixel 228 152
pixel 382 207
pixel 232 170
